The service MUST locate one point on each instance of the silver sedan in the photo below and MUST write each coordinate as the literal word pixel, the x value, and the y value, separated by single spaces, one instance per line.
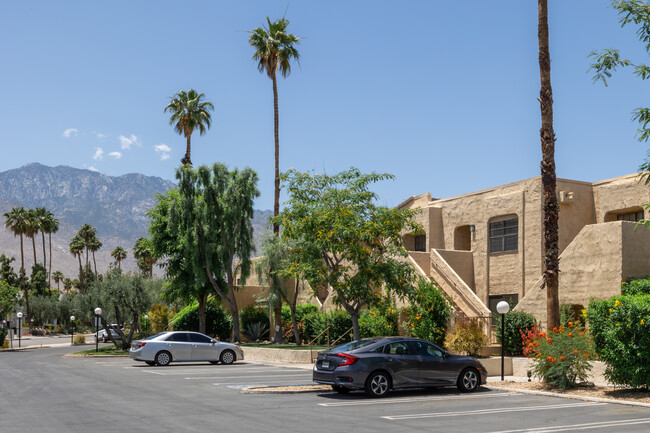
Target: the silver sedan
pixel 182 346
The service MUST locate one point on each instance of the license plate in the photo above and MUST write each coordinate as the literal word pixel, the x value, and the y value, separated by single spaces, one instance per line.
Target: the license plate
pixel 325 364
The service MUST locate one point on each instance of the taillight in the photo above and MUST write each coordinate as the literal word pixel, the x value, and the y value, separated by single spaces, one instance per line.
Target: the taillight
pixel 348 359
pixel 140 345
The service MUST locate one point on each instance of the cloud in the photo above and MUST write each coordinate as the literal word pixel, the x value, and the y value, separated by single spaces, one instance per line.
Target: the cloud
pixel 100 136
pixel 116 155
pixel 99 153
pixel 91 168
pixel 163 150
pixel 70 132
pixel 126 142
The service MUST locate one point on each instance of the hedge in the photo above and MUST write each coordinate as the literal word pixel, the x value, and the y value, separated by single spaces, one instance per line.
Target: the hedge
pixel 217 322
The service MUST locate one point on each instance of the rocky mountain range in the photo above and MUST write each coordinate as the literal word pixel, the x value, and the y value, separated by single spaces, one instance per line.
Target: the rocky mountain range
pixel 115 205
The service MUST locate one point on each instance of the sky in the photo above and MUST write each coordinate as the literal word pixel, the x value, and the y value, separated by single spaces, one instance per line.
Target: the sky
pixel 441 94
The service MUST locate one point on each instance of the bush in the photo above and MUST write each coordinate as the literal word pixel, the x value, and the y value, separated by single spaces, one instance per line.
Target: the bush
pixel 621 334
pixel 159 318
pixel 374 324
pixel 339 322
pixel 256 331
pixel 429 314
pixel 217 322
pixel 467 338
pixel 563 356
pixel 516 321
pixel 3 335
pixel 636 287
pixel 571 313
pixel 39 332
pixel 79 339
pixel 253 314
pixel 301 311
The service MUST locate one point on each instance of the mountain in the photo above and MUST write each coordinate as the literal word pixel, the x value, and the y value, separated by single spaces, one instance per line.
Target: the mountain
pixel 115 205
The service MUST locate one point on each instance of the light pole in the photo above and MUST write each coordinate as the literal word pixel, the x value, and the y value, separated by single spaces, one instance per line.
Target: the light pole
pixel 20 320
pixel 146 316
pixel 71 330
pixel 98 314
pixel 503 307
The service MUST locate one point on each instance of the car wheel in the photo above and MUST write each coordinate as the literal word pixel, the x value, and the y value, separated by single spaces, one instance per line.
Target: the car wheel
pixel 341 389
pixel 468 381
pixel 104 339
pixel 227 357
pixel 377 384
pixel 152 363
pixel 163 358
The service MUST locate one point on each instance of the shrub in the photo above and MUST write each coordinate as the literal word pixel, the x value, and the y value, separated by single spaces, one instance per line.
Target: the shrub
pixel 516 321
pixel 428 314
pixel 636 287
pixel 563 355
pixel 301 311
pixel 39 332
pixel 621 330
pixel 339 322
pixel 3 335
pixel 217 322
pixel 467 338
pixel 374 324
pixel 256 331
pixel 571 313
pixel 313 324
pixel 159 316
pixel 79 339
pixel 529 340
pixel 252 314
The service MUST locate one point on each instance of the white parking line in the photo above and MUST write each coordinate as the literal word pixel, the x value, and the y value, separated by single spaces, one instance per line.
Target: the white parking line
pixel 154 372
pixel 586 426
pixel 489 411
pixel 244 377
pixel 415 399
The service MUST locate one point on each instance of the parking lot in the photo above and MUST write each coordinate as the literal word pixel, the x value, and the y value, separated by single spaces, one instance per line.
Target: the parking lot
pixel 44 391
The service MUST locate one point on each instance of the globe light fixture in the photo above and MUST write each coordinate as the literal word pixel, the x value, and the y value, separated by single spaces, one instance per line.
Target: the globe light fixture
pixel 98 313
pixel 502 308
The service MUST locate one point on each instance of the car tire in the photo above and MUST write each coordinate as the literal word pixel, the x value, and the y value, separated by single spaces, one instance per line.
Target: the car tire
pixel 150 363
pixel 469 380
pixel 227 357
pixel 377 384
pixel 104 340
pixel 163 358
pixel 341 389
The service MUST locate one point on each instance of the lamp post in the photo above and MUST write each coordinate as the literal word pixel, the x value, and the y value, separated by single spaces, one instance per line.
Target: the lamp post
pixel 71 330
pixel 502 308
pixel 98 314
pixel 20 320
pixel 146 317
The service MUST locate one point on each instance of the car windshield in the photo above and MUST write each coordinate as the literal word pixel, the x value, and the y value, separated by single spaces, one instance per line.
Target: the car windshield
pixel 154 336
pixel 353 345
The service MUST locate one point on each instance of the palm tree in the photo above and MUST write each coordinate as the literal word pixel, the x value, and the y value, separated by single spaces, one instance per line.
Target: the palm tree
pixel 143 252
pixel 40 215
pixel 118 254
pixel 32 227
pixel 16 221
pixel 94 245
pixel 547 135
pixel 58 277
pixel 87 233
pixel 189 113
pixel 274 51
pixel 76 248
pixel 49 225
pixel 67 284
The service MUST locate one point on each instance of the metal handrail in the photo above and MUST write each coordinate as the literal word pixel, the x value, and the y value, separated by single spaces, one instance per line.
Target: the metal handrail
pixel 311 343
pixel 346 333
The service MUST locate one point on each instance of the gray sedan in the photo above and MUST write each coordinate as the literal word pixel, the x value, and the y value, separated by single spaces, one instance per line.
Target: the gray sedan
pixel 182 346
pixel 378 365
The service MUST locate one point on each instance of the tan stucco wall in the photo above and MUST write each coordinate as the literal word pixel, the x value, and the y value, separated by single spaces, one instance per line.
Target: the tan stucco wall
pixel 462 262
pixel 636 251
pixel 618 194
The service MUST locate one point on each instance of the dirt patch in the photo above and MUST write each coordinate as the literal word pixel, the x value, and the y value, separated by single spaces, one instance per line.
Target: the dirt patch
pixel 290 388
pixel 583 390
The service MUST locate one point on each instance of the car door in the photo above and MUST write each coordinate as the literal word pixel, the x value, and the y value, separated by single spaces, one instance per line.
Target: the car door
pixel 402 363
pixel 179 346
pixel 434 369
pixel 202 348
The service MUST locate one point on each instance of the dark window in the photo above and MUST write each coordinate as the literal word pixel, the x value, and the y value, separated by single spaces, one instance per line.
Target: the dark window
pixel 400 348
pixel 198 338
pixel 631 216
pixel 426 349
pixel 420 243
pixel 504 235
pixel 181 336
pixel 379 349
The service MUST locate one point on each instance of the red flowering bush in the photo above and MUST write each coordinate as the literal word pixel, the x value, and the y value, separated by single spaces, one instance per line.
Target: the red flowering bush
pixel 562 356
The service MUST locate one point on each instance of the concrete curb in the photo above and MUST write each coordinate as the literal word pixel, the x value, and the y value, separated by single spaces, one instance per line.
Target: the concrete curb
pixel 568 396
pixel 270 390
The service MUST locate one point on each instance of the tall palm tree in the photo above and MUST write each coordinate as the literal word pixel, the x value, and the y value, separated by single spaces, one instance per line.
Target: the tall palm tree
pixel 274 51
pixel 94 245
pixel 32 228
pixel 49 225
pixel 189 113
pixel 87 233
pixel 16 221
pixel 118 254
pixel 143 252
pixel 40 213
pixel 58 277
pixel 76 248
pixel 550 206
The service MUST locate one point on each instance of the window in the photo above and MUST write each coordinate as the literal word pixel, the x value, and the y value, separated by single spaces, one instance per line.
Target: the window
pixel 198 338
pixel 420 243
pixel 180 336
pixel 426 349
pixel 631 216
pixel 400 348
pixel 504 235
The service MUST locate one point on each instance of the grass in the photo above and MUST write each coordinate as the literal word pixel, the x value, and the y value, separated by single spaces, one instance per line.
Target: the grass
pixel 282 346
pixel 105 350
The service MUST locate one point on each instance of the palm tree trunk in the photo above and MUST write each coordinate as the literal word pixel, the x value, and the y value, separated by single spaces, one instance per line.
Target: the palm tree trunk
pixel 119 264
pixel 276 126
pixel 22 274
pixel 44 254
pixel 81 274
pixel 49 272
pixel 94 262
pixel 186 159
pixel 34 246
pixel 547 135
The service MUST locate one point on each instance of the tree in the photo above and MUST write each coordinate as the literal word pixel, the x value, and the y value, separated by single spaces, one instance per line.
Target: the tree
pixel 274 51
pixel 87 234
pixel 353 245
pixel 144 254
pixel 189 113
pixel 31 229
pixel 16 221
pixel 94 245
pixel 550 206
pixel 49 225
pixel 8 298
pixel 119 254
pixel 76 248
pixel 67 284
pixel 58 277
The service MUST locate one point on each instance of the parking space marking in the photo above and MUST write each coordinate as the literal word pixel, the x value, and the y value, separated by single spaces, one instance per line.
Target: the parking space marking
pixel 154 372
pixel 416 399
pixel 489 411
pixel 223 376
pixel 586 426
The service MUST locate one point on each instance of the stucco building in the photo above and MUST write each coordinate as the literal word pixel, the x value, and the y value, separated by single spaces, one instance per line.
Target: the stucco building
pixel 487 246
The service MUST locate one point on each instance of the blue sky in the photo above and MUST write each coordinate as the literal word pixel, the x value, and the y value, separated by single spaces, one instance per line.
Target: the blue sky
pixel 441 94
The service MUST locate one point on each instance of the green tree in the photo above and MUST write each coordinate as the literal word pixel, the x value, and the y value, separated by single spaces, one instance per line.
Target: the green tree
pixel 32 227
pixel 94 245
pixel 7 272
pixel 275 49
pixel 49 224
pixel 144 253
pixel 359 243
pixel 38 280
pixel 16 221
pixel 8 299
pixel 188 114
pixel 549 180
pixel 67 284
pixel 119 254
pixel 58 277
pixel 87 234
pixel 76 248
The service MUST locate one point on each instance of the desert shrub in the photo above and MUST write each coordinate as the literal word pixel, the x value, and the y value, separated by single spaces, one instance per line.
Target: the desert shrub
pixel 217 322
pixel 252 314
pixel 256 331
pixel 466 338
pixel 516 321
pixel 636 287
pixel 562 357
pixel 159 317
pixel 39 332
pixel 529 340
pixel 620 327
pixel 79 339
pixel 428 314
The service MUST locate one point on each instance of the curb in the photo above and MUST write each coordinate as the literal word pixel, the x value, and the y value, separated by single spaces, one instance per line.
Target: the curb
pixel 567 396
pixel 270 390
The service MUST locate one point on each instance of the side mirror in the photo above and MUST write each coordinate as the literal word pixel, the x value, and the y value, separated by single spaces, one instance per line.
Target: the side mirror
pixel 213 341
